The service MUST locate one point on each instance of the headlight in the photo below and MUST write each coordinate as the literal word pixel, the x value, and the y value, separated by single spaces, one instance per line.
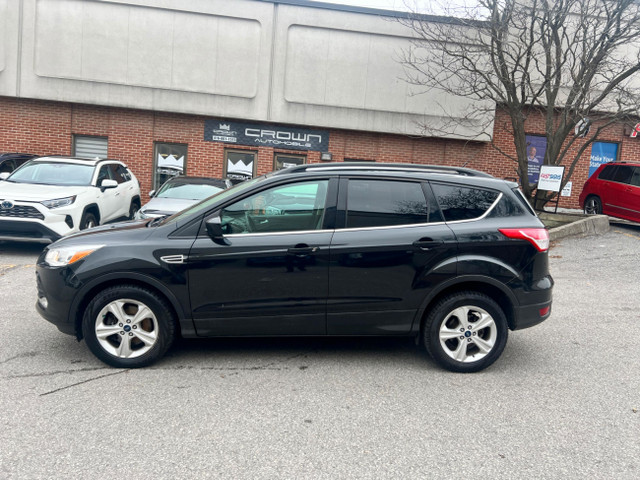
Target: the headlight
pixel 59 202
pixel 58 257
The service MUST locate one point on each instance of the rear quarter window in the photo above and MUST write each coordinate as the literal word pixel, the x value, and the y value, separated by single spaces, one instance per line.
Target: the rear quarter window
pixel 523 200
pixel 463 203
pixel 506 207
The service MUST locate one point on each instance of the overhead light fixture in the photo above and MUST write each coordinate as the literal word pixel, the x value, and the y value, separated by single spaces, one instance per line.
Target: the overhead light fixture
pixel 326 156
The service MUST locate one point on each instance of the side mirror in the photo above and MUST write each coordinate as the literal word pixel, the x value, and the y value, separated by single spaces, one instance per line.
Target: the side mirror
pixel 152 193
pixel 108 183
pixel 214 229
pixel 4 175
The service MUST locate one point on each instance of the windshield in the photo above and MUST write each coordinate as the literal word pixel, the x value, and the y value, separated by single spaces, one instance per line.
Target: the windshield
pixel 53 173
pixel 208 202
pixel 187 191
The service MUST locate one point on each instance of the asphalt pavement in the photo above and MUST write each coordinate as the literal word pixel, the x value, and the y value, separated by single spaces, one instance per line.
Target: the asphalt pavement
pixel 562 402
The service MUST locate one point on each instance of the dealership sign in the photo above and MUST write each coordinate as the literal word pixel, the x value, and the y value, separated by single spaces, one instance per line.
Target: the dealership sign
pixel 265 135
pixel 550 178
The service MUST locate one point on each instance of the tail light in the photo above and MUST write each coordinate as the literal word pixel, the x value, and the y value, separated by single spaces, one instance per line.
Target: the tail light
pixel 538 237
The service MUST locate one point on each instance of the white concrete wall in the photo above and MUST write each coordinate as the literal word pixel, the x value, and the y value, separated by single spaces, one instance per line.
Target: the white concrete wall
pixel 241 59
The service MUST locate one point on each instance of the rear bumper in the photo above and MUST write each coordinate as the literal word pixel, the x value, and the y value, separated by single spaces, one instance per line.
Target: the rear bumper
pixel 534 306
pixel 530 315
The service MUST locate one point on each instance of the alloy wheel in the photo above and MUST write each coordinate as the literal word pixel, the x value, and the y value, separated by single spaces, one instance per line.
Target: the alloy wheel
pixel 126 328
pixel 468 334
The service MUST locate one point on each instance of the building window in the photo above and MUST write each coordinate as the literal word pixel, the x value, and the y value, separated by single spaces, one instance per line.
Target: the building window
pixel 282 160
pixel 86 146
pixel 239 165
pixel 170 160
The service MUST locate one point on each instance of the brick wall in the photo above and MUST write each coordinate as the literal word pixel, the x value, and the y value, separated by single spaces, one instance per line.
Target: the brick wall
pixel 45 127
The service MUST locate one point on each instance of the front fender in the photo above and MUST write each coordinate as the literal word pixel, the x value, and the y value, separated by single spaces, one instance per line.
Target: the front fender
pixel 186 322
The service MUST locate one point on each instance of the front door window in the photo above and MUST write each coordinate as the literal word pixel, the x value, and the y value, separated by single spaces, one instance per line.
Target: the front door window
pixel 287 208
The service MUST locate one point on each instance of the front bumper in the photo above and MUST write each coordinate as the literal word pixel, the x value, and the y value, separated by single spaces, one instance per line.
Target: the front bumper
pixel 55 296
pixel 27 231
pixel 31 221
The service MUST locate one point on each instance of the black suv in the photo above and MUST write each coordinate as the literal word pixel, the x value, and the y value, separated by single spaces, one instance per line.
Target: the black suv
pixel 451 256
pixel 10 161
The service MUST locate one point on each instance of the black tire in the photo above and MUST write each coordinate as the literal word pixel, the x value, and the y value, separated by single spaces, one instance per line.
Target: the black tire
pixel 148 333
pixel 133 209
pixel 88 221
pixel 454 343
pixel 593 205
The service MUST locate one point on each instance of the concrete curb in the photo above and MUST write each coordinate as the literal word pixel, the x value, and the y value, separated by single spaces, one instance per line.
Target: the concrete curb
pixel 589 225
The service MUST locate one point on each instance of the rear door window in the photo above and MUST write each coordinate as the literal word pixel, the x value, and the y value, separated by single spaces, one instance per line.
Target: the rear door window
pixel 623 174
pixel 635 178
pixel 463 203
pixel 378 203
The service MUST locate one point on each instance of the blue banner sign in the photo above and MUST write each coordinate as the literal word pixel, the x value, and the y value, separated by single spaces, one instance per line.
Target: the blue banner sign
pixel 536 148
pixel 602 152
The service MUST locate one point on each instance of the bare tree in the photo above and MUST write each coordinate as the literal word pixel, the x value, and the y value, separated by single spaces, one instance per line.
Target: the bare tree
pixel 571 61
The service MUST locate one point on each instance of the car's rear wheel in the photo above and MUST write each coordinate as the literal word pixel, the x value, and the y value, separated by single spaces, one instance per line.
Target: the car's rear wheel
pixel 465 332
pixel 593 205
pixel 128 326
pixel 88 221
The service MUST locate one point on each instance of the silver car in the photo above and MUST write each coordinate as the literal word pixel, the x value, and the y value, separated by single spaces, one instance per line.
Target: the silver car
pixel 178 193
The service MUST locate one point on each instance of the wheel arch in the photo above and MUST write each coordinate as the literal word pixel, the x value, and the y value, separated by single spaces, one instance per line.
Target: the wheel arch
pixel 88 292
pixel 91 208
pixel 595 196
pixel 497 291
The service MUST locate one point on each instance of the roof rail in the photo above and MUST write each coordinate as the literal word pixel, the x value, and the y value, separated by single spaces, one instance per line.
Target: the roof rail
pixel 388 167
pixel 87 159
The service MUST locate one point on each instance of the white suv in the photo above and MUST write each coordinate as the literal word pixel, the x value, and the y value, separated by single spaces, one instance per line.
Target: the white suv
pixel 49 197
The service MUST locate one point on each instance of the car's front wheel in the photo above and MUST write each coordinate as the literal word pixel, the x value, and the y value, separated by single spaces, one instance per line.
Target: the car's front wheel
pixel 88 221
pixel 593 205
pixel 128 326
pixel 465 332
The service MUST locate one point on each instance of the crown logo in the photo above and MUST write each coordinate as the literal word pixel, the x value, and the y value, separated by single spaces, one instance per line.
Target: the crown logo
pixel 224 126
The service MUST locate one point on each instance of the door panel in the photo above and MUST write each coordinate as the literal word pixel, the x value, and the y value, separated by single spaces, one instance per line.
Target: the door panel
pixel 379 277
pixel 109 199
pixel 630 197
pixel 268 273
pixel 393 248
pixel 614 196
pixel 260 284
